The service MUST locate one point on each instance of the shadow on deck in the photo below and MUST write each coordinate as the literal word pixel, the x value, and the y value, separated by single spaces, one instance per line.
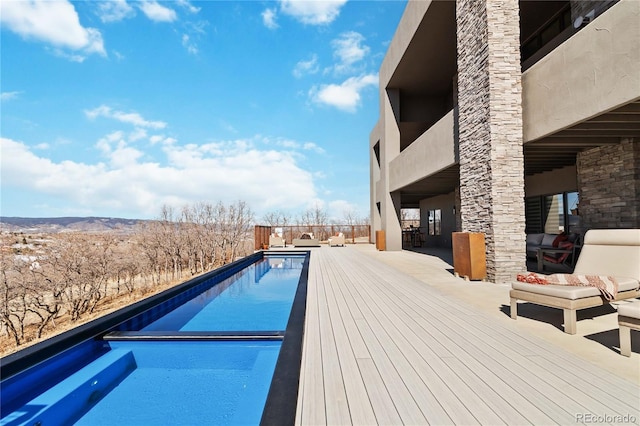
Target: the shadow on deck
pixel 446 255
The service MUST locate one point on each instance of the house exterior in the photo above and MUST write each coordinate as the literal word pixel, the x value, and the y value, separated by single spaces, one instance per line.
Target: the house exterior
pixel 508 117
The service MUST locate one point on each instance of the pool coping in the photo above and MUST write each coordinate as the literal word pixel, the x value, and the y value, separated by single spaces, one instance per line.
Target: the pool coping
pixel 282 399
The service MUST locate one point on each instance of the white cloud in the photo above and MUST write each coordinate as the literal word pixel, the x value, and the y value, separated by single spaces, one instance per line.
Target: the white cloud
pixel 345 96
pixel 348 49
pixel 124 117
pixel 187 5
pixel 188 44
pixel 295 145
pixel 156 12
pixel 53 22
pixel 137 135
pixel 312 12
pixel 7 96
pixel 269 19
pixel 127 183
pixel 306 67
pixel 115 11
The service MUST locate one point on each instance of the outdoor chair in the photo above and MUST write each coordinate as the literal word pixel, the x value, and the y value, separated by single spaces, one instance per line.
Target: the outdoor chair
pixel 276 241
pixel 337 240
pixel 561 256
pixel 606 253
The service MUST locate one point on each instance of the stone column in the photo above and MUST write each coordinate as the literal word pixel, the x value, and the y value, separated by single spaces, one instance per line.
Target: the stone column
pixel 490 126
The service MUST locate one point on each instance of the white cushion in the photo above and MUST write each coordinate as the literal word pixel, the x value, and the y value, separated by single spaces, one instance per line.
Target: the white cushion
pixel 573 292
pixel 631 310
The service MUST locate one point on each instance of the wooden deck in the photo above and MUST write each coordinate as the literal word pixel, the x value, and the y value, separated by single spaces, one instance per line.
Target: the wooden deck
pixel 381 347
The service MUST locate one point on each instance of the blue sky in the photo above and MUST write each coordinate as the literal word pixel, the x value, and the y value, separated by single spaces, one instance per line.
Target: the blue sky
pixel 116 108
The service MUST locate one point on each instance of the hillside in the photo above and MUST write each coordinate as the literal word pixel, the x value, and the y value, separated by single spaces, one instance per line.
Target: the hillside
pixel 50 225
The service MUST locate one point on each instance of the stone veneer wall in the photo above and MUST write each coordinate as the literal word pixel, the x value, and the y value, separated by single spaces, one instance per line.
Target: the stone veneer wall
pixel 490 125
pixel 609 184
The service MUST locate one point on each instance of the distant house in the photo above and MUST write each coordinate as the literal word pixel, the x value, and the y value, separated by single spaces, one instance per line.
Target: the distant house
pixel 509 118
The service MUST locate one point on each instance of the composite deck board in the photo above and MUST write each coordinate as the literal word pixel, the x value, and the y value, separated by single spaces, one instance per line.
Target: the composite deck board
pixel 452 335
pixel 311 383
pixel 338 411
pixel 359 406
pixel 381 402
pixel 396 350
pixel 427 368
pixel 387 287
pixel 482 339
pixel 386 348
pixel 509 350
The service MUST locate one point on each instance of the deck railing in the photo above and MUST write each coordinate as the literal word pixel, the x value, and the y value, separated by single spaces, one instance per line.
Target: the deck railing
pixel 352 233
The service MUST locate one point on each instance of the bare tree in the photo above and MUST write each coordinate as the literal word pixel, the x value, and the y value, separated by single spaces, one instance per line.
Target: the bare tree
pixel 79 273
pixel 13 304
pixel 277 218
pixel 315 217
pixel 240 220
pixel 45 298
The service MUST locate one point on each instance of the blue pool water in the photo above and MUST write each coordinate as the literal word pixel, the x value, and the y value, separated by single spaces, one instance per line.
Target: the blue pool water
pixel 259 299
pixel 180 382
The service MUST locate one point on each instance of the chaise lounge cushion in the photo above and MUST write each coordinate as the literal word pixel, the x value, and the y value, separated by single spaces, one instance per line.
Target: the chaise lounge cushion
pixel 630 310
pixel 605 252
pixel 573 292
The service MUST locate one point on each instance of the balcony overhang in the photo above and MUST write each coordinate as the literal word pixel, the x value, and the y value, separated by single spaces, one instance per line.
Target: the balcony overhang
pixel 428 166
pixel 422 56
pixel 584 94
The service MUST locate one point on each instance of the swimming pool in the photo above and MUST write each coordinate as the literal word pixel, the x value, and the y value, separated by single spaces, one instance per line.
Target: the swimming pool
pixel 219 351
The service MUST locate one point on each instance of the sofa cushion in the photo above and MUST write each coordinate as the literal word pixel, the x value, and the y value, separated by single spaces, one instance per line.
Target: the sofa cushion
pixel 573 292
pixel 548 239
pixel 534 239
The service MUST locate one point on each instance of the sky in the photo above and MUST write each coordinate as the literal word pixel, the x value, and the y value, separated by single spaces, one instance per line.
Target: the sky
pixel 118 108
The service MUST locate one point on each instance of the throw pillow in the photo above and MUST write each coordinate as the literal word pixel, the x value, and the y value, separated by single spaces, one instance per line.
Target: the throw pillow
pixel 561 237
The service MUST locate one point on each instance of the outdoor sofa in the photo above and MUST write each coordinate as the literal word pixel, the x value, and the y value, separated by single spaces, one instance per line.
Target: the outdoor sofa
pixel 605 252
pixel 534 241
pixel 306 240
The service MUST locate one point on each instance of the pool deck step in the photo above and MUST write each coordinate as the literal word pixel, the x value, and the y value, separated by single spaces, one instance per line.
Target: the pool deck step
pixel 383 347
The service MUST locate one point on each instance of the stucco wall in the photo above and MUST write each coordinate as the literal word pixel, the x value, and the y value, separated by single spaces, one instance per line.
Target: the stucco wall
pixel 594 71
pixel 552 182
pixel 431 152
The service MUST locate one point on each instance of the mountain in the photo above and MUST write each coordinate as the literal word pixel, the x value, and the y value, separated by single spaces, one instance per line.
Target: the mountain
pixel 51 225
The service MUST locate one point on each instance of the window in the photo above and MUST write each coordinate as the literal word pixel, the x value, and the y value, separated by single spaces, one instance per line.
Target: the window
pixel 409 218
pixel 435 222
pixel 376 151
pixel 552 213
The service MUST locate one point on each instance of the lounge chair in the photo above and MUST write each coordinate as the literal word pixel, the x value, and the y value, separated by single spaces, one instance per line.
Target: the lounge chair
pixel 276 241
pixel 337 240
pixel 628 319
pixel 605 252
